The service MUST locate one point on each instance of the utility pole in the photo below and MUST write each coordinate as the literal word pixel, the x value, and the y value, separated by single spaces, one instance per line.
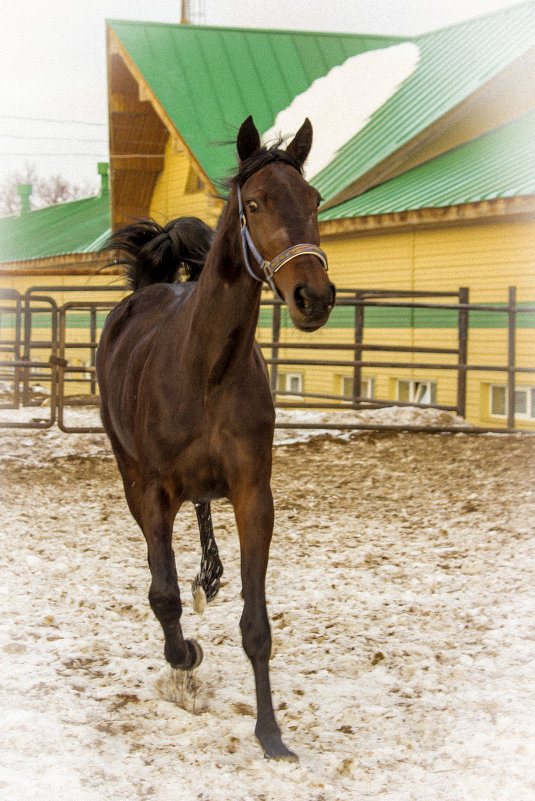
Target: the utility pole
pixel 192 12
pixel 185 13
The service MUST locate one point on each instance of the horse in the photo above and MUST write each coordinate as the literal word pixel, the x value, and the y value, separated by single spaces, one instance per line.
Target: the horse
pixel 185 396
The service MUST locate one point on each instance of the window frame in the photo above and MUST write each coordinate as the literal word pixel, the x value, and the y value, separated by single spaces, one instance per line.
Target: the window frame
pixel 369 391
pixel 287 377
pixel 530 402
pixel 413 386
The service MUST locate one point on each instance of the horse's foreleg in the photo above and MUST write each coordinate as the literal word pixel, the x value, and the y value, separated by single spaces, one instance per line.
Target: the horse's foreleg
pixel 211 568
pixel 254 517
pixel 164 595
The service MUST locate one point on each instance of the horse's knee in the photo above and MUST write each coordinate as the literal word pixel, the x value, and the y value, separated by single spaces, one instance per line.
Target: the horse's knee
pixel 256 636
pixel 166 604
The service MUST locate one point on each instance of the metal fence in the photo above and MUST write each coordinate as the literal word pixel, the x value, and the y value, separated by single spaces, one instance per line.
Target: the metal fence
pixel 38 350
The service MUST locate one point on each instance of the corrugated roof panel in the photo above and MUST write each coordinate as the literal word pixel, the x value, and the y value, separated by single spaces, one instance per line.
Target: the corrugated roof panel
pixel 80 226
pixel 209 79
pixel 454 62
pixel 497 165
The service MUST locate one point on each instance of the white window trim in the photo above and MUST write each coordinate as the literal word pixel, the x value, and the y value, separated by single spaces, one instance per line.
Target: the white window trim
pixel 530 405
pixel 367 385
pixel 287 381
pixel 414 384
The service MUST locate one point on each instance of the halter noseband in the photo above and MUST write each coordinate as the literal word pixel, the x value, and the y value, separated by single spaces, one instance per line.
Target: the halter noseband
pixel 269 268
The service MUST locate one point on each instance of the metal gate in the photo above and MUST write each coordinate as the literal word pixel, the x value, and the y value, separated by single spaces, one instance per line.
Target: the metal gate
pixel 48 352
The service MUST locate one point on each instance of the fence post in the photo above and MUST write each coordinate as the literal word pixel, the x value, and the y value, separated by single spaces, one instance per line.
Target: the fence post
pixel 463 328
pixel 275 337
pixel 17 353
pixel 26 354
pixel 359 335
pixel 93 338
pixel 511 357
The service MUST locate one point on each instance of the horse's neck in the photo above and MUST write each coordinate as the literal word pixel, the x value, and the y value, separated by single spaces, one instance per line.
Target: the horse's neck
pixel 226 301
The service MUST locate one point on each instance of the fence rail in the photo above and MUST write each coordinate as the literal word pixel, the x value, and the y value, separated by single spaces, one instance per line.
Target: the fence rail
pixel 31 359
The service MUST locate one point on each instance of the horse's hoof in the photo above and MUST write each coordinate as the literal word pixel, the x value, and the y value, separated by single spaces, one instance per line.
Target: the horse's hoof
pixel 192 660
pixel 196 651
pixel 209 588
pixel 274 748
pixel 199 599
pixel 285 756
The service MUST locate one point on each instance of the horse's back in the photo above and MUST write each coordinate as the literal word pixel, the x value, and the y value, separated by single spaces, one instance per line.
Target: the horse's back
pixel 133 329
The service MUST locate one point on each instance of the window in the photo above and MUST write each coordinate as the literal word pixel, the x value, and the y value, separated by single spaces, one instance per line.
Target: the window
pixel 367 387
pixel 412 391
pixel 290 382
pixel 524 401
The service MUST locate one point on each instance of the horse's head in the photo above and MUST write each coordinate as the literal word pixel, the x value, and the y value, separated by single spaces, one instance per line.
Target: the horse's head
pixel 279 219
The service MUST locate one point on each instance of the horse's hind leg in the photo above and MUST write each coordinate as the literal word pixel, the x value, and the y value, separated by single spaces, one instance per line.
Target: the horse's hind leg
pixel 164 595
pixel 208 577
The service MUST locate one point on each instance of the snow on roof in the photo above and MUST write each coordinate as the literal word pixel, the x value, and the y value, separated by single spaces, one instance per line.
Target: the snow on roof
pixel 366 80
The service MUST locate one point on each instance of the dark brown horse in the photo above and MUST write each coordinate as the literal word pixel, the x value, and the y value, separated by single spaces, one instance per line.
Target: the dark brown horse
pixel 184 392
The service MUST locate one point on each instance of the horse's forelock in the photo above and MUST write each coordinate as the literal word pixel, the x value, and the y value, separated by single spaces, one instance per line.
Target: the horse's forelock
pixel 262 157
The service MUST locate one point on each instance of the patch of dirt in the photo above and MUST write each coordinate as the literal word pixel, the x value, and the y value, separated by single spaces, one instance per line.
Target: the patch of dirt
pixel 401 593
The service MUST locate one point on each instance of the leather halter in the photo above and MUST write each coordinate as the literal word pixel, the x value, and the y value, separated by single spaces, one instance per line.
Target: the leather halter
pixel 269 268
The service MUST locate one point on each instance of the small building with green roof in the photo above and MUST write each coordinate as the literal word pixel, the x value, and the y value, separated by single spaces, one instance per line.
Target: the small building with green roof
pixel 62 240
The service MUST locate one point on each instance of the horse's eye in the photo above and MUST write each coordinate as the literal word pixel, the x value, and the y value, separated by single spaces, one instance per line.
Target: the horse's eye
pixel 252 205
pixel 318 200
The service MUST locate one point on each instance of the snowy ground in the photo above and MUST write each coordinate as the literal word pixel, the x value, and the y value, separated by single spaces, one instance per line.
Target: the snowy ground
pixel 401 592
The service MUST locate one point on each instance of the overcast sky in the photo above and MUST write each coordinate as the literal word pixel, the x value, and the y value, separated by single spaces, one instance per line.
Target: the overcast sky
pixel 53 64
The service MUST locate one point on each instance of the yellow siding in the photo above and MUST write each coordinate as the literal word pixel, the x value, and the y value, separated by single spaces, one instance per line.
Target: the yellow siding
pixel 376 262
pixel 179 191
pixel 486 257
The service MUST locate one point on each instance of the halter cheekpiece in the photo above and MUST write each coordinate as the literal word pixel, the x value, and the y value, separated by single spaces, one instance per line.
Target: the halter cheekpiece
pixel 269 268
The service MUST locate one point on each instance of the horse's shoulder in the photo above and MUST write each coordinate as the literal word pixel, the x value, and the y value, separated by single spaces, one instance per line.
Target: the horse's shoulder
pixel 147 306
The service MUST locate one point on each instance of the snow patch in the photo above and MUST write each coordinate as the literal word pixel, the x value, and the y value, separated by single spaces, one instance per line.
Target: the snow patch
pixel 18 444
pixel 341 102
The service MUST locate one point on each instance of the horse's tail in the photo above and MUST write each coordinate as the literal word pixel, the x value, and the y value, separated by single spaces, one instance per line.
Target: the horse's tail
pixel 154 254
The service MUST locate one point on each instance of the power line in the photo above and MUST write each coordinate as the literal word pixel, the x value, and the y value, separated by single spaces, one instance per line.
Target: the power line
pixel 44 119
pixel 54 155
pixel 50 138
pixel 108 155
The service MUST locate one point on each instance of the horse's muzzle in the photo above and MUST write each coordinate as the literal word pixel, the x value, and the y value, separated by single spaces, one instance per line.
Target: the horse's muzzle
pixel 313 307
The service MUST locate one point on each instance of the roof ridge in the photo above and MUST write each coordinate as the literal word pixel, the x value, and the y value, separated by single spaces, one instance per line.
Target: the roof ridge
pixel 478 17
pixel 424 176
pixel 237 28
pixel 479 137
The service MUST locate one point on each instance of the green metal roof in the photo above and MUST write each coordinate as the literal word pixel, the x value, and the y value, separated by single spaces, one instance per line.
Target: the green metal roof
pixel 454 62
pixel 499 164
pixel 80 226
pixel 210 79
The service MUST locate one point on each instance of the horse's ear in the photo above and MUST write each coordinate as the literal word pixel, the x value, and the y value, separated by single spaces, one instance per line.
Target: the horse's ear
pixel 248 139
pixel 300 145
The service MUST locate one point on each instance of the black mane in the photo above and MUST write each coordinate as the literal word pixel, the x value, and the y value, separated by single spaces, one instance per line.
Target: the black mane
pixel 151 253
pixel 262 157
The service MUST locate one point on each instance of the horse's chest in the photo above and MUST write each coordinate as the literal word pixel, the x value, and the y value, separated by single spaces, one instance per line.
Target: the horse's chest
pixel 211 464
pixel 200 473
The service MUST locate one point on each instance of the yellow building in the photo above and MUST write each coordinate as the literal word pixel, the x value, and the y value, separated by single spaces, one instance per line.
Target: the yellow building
pixel 436 192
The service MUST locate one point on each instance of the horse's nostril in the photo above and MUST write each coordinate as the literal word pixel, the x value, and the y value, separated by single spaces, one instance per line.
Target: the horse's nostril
pixel 301 297
pixel 332 300
pixel 311 304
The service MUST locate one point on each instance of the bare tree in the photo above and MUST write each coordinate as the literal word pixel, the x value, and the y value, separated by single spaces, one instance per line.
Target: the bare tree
pixel 46 191
pixel 9 196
